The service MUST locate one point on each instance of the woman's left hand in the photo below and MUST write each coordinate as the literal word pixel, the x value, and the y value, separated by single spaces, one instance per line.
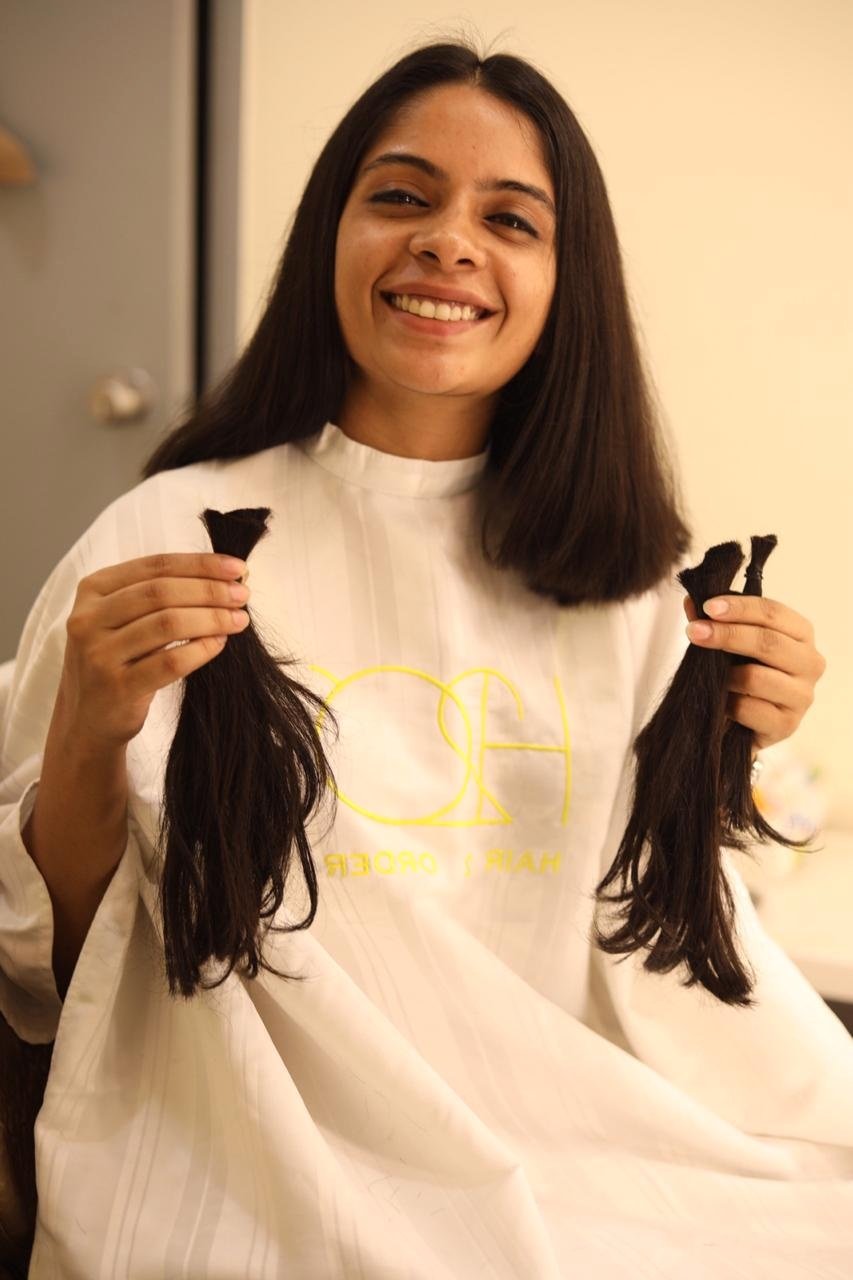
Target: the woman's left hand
pixel 771 699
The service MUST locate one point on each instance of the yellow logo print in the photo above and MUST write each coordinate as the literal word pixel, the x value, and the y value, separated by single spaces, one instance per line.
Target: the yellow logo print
pixel 421 863
pixel 474 768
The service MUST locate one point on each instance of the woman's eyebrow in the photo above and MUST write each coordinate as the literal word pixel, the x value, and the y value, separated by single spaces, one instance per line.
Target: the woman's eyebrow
pixel 487 184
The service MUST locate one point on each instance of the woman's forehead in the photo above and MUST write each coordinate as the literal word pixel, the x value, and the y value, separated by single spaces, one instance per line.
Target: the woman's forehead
pixel 452 123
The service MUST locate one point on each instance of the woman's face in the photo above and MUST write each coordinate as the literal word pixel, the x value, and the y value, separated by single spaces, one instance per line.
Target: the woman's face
pixel 445 224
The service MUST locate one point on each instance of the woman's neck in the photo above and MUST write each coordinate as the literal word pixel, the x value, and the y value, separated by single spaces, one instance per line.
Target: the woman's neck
pixel 413 425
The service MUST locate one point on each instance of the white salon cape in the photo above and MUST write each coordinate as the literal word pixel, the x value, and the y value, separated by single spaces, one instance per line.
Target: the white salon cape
pixel 464 1087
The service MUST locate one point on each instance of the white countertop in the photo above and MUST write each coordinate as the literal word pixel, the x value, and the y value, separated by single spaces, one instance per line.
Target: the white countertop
pixel 809 912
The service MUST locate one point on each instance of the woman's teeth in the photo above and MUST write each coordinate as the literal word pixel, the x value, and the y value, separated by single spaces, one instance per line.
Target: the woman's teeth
pixel 434 309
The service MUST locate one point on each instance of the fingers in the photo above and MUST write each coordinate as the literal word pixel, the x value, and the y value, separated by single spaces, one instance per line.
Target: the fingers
pixel 757 627
pixel 152 672
pixel 785 693
pixel 771 695
pixel 153 595
pixel 150 634
pixel 127 611
pixel 767 722
pixel 770 647
pixel 138 626
pixel 763 612
pixel 173 564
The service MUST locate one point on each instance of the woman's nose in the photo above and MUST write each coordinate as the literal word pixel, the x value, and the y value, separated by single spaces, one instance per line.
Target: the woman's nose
pixel 448 242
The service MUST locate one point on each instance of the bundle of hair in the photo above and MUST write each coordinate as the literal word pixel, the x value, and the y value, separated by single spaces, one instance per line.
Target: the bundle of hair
pixel 692 795
pixel 245 772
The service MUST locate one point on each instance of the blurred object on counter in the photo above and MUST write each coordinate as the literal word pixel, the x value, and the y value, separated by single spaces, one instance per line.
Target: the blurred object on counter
pixel 790 794
pixel 808 913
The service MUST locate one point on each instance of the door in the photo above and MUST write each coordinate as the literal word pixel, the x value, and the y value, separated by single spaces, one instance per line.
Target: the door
pixel 96 266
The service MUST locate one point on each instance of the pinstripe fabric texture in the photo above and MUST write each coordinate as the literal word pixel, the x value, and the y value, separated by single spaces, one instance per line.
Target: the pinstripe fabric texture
pixel 463 1088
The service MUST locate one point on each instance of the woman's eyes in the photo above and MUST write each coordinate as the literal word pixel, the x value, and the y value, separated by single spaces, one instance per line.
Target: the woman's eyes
pixel 389 197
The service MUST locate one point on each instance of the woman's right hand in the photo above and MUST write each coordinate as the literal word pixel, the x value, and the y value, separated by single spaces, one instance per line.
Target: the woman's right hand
pixel 123 618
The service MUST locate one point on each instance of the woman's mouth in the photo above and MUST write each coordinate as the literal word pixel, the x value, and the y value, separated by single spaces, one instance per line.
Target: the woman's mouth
pixel 435 315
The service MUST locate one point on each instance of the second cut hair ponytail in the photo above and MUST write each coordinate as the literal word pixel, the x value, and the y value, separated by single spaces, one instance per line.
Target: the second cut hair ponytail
pixel 692 796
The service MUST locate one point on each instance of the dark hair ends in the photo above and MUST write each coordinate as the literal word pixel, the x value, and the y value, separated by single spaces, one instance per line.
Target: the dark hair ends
pixel 692 795
pixel 245 772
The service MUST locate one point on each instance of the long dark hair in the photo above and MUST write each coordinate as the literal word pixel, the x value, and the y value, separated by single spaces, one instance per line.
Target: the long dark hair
pixel 579 496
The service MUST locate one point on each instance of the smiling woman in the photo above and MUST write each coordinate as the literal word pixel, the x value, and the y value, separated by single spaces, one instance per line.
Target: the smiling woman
pixel 413 1060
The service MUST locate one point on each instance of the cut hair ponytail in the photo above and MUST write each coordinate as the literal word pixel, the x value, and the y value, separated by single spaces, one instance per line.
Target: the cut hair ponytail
pixel 245 772
pixel 692 795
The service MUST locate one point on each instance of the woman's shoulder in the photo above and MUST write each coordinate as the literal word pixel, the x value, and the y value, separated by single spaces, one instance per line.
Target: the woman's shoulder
pixel 162 513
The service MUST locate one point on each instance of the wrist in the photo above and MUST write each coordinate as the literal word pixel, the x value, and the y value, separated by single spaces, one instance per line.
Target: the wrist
pixel 73 743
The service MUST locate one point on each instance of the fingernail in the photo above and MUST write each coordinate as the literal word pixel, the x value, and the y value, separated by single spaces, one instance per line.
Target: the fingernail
pixel 716 608
pixel 231 565
pixel 698 630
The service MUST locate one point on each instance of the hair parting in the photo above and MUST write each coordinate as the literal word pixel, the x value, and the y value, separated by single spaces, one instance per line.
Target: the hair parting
pixel 690 749
pixel 245 772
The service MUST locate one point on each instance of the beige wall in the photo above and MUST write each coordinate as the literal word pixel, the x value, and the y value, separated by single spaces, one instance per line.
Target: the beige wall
pixel 722 128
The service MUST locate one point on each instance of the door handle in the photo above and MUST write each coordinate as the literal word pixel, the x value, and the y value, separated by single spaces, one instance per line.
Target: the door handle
pixel 125 395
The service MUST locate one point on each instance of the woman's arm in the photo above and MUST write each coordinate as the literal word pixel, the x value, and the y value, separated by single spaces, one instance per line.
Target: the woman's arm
pixel 76 835
pixel 118 655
